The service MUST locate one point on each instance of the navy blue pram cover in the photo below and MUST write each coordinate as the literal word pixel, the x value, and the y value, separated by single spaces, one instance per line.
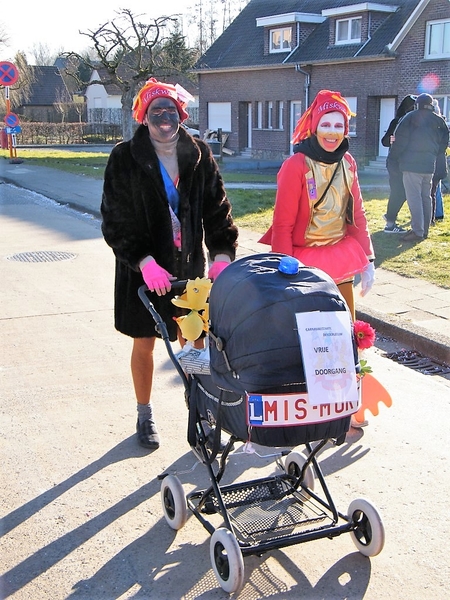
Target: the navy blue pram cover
pixel 255 347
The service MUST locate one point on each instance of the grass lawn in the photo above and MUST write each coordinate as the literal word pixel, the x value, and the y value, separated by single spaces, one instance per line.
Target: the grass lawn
pixel 252 209
pixel 429 260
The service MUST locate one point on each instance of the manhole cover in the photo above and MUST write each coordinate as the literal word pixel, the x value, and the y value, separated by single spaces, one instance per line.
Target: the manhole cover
pixel 41 256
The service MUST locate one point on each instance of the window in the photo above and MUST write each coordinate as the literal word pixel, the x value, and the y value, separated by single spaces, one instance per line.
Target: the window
pixel 280 39
pixel 281 115
pixel 437 42
pixel 444 105
pixel 348 31
pixel 270 115
pixel 259 115
pixel 352 102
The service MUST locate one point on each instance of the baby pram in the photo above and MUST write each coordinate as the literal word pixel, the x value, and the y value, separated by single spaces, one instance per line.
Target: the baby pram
pixel 257 392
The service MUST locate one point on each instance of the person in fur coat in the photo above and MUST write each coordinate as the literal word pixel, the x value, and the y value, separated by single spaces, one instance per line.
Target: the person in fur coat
pixel 319 216
pixel 163 200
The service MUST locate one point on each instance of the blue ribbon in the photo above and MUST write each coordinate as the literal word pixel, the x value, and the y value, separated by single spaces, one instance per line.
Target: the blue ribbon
pixel 171 191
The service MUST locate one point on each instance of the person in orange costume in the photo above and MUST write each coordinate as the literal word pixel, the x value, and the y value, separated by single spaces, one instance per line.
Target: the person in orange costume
pixel 319 216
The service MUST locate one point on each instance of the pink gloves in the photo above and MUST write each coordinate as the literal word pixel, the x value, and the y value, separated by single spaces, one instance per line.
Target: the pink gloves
pixel 216 268
pixel 156 278
pixel 367 279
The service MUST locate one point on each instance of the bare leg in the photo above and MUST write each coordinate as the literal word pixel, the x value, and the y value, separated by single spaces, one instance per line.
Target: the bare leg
pixel 142 368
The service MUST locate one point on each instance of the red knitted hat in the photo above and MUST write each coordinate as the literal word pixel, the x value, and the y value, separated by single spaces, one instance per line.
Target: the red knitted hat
pixel 156 89
pixel 325 102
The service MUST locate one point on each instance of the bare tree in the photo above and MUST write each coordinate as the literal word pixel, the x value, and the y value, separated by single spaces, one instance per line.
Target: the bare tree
pixel 79 107
pixel 63 103
pixel 130 51
pixel 43 56
pixel 4 38
pixel 212 18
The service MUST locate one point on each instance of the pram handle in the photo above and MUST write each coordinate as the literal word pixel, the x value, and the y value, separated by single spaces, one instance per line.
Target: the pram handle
pixel 179 284
pixel 161 327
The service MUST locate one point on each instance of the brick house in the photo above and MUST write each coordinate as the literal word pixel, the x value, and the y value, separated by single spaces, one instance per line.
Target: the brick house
pixel 264 70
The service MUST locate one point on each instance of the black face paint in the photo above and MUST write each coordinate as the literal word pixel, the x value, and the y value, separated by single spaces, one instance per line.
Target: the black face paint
pixel 163 112
pixel 164 116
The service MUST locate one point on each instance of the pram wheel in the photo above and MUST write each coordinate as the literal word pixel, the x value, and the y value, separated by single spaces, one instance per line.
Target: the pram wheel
pixel 369 535
pixel 293 465
pixel 173 502
pixel 227 561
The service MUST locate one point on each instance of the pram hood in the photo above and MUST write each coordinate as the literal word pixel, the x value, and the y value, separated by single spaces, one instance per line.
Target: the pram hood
pixel 255 345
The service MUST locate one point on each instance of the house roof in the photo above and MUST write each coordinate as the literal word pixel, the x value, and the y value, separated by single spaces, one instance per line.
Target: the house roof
pixel 242 43
pixel 47 86
pixel 101 74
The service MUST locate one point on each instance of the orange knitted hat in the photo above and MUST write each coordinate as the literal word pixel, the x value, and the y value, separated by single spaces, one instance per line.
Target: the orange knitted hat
pixel 325 102
pixel 156 89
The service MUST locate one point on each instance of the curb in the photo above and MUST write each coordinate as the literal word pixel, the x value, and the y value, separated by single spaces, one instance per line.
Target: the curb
pixel 408 334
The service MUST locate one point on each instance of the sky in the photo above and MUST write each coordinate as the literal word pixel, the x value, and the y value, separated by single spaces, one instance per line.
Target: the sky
pixel 55 25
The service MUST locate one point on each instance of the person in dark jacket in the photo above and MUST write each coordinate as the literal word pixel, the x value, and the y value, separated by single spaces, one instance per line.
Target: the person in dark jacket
pixel 163 199
pixel 419 138
pixel 440 173
pixel 397 195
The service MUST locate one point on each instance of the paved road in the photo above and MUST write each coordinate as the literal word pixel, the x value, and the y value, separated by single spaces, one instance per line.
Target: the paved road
pixel 80 500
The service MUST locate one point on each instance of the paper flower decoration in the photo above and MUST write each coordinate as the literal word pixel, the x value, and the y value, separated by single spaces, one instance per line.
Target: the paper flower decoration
pixel 373 392
pixel 364 335
pixel 194 299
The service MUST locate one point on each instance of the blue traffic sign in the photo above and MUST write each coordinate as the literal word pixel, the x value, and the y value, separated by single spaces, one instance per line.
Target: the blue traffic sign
pixel 11 120
pixel 17 129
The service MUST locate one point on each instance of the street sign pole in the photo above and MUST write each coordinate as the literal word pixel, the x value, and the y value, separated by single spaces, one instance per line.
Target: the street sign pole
pixel 8 76
pixel 11 147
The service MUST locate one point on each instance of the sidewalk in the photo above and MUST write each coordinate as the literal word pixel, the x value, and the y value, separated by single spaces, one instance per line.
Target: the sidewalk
pixel 413 312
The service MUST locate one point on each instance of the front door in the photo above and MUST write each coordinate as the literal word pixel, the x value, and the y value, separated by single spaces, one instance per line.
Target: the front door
pixel 249 125
pixel 387 113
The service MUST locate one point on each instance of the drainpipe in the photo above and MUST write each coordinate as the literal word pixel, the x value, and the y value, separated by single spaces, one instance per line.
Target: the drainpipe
pixel 298 69
pixel 369 37
pixel 307 83
pixel 298 44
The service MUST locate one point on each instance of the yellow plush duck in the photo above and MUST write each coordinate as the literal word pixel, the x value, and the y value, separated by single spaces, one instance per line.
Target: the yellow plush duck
pixel 194 299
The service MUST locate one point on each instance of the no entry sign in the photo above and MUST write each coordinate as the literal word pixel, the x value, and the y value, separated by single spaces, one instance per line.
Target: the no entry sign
pixel 8 73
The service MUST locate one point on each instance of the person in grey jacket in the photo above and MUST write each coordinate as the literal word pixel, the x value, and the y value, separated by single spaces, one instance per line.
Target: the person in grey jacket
pixel 419 138
pixel 397 195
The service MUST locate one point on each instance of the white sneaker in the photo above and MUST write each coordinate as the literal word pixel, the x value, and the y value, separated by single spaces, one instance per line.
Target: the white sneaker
pixel 394 229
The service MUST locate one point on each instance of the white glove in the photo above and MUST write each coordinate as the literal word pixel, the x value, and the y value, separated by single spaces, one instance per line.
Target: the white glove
pixel 367 279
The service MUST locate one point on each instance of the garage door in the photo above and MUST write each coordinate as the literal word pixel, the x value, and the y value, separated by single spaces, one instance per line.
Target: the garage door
pixel 219 116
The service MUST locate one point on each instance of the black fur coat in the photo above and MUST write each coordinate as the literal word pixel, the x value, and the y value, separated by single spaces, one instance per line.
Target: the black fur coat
pixel 136 223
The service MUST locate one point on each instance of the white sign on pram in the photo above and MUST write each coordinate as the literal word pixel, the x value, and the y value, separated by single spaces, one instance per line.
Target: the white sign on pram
pixel 328 359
